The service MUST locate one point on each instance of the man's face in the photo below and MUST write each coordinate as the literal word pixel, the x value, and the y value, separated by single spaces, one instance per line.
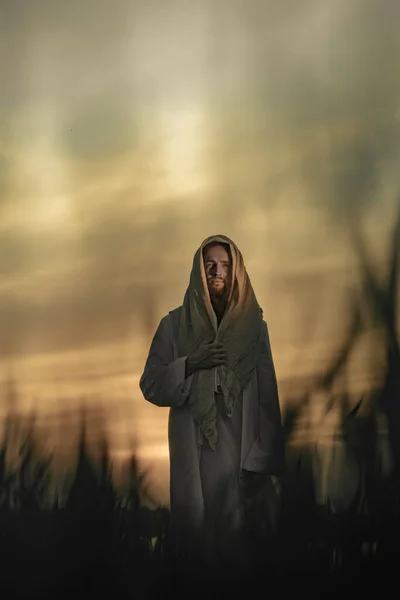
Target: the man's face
pixel 218 270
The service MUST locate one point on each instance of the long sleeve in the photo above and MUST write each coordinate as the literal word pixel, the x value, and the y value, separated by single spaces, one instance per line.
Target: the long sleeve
pixel 270 422
pixel 163 382
pixel 268 452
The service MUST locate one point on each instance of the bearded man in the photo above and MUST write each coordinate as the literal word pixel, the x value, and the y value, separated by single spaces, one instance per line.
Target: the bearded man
pixel 210 361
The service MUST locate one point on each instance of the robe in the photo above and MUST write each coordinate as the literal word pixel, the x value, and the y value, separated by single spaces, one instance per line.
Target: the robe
pixel 205 485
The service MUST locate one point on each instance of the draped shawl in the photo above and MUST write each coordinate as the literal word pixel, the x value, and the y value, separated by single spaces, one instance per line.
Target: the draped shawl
pixel 239 332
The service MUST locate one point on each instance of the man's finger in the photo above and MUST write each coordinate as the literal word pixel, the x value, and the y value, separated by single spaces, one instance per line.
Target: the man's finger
pixel 219 361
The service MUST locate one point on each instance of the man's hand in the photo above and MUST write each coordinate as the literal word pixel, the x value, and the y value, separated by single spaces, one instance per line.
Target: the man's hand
pixel 207 356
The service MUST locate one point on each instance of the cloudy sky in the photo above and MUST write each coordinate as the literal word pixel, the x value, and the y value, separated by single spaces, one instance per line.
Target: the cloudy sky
pixel 130 131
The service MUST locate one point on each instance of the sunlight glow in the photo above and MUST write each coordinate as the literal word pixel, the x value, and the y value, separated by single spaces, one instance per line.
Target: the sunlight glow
pixel 154 451
pixel 41 175
pixel 183 134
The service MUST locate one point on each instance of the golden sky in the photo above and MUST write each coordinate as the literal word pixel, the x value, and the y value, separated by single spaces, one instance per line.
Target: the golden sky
pixel 130 131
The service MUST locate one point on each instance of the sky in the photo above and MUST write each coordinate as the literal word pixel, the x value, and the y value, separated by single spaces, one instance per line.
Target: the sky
pixel 129 132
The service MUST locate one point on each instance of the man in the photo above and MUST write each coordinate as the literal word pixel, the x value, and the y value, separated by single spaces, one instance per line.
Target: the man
pixel 210 361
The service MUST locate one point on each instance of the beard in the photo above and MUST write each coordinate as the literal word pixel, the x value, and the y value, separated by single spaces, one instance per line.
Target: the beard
pixel 218 293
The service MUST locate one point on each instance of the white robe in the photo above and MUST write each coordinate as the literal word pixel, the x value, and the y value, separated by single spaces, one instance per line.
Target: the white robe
pixel 254 434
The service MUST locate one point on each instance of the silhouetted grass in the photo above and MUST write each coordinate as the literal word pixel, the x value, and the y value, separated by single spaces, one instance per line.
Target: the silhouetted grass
pixel 100 541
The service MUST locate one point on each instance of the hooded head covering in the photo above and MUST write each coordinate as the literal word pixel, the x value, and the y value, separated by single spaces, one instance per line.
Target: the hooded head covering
pixel 239 331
